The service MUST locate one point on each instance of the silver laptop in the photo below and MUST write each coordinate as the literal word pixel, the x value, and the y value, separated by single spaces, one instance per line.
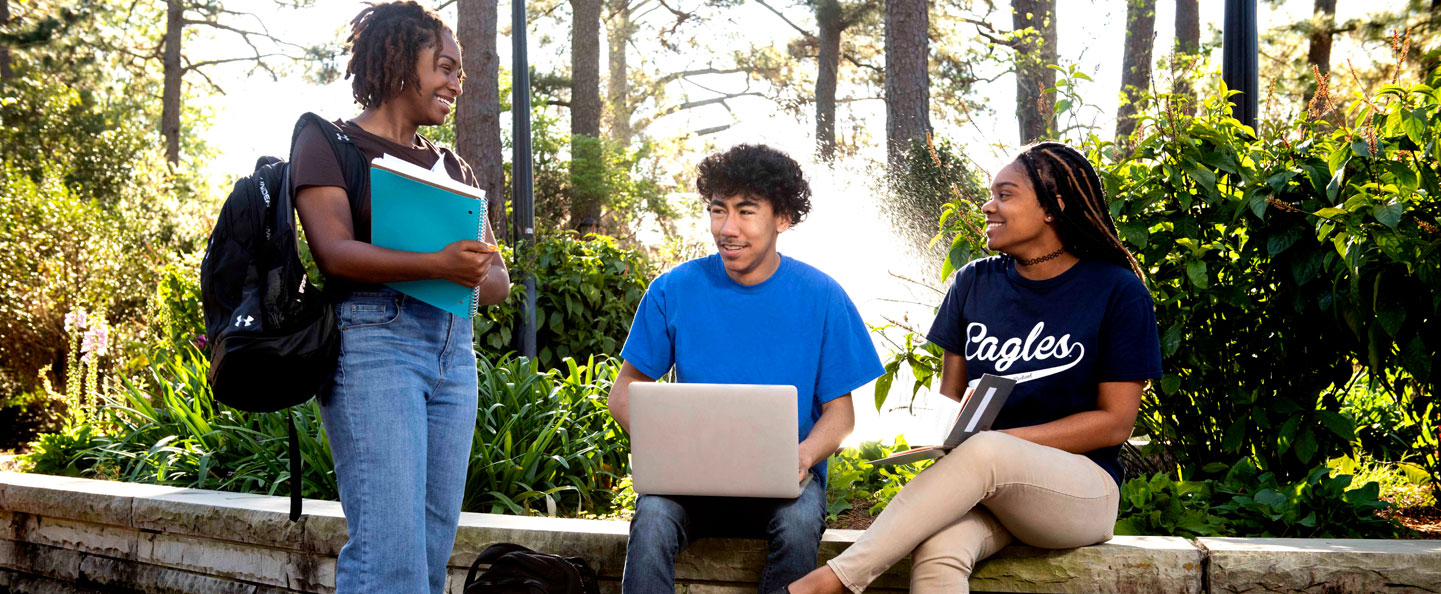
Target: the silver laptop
pixel 714 439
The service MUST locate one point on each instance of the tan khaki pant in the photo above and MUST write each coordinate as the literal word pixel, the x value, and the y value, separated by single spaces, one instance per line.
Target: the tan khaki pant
pixel 972 502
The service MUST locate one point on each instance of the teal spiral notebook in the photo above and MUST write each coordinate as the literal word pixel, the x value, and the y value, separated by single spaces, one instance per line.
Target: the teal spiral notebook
pixel 418 210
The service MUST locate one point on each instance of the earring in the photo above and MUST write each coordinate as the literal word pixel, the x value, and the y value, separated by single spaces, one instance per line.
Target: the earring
pixel 1048 218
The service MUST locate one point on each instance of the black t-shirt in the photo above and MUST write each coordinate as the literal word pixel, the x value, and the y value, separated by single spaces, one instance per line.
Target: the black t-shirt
pixel 1059 337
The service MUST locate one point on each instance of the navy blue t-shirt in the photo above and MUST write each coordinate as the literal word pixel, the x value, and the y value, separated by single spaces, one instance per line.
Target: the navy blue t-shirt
pixel 1059 337
pixel 796 328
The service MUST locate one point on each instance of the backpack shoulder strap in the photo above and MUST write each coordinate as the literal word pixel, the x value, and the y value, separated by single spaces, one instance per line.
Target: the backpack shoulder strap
pixel 352 162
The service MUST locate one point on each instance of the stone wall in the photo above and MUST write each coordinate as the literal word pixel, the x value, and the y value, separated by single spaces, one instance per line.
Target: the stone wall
pixel 67 535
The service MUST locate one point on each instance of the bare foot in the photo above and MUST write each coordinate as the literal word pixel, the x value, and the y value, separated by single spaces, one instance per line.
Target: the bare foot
pixel 820 581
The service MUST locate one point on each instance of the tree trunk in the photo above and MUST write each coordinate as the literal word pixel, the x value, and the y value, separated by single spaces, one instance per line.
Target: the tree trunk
pixel 828 21
pixel 1318 57
pixel 1034 52
pixel 5 72
pixel 908 79
pixel 477 112
pixel 586 169
pixel 1136 65
pixel 1188 43
pixel 618 80
pixel 170 97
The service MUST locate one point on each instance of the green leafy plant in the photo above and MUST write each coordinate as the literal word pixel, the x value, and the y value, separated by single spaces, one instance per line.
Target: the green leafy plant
pixel 1278 263
pixel 169 430
pixel 61 452
pixel 851 481
pixel 1251 502
pixel 544 440
pixel 1160 505
pixel 587 292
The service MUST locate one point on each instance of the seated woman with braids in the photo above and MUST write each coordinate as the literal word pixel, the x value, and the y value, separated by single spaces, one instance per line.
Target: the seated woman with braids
pixel 1064 311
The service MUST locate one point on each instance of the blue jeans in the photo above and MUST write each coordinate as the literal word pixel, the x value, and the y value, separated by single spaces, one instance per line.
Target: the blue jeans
pixel 664 525
pixel 400 412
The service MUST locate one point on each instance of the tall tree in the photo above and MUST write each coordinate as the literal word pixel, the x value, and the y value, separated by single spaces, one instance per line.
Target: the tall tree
pixel 1188 43
pixel 908 79
pixel 183 15
pixel 830 23
pixel 832 20
pixel 619 110
pixel 1136 64
pixel 4 48
pixel 1034 23
pixel 587 171
pixel 174 73
pixel 477 112
pixel 1318 56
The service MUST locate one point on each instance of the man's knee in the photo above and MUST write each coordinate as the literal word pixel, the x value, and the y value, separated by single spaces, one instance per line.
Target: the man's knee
pixel 798 525
pixel 658 524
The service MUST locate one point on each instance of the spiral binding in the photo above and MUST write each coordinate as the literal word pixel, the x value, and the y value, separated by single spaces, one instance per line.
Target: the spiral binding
pixel 479 236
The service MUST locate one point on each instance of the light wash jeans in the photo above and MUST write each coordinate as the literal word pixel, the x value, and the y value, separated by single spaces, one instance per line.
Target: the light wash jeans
pixel 664 525
pixel 400 412
pixel 973 502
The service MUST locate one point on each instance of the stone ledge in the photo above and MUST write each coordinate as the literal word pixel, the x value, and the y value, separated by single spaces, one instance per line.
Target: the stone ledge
pixel 62 534
pixel 1339 566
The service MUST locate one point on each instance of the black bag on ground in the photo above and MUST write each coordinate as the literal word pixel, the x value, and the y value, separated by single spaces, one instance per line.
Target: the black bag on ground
pixel 273 336
pixel 515 569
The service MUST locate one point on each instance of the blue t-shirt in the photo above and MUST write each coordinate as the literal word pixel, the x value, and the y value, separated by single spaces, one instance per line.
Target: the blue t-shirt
pixel 796 328
pixel 1059 337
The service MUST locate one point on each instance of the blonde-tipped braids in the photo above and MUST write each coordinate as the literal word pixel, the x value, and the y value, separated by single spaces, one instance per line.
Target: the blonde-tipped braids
pixel 1059 173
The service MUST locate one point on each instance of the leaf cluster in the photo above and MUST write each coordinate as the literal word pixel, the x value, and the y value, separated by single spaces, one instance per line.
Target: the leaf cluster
pixel 587 291
pixel 851 481
pixel 544 440
pixel 1279 263
pixel 1248 502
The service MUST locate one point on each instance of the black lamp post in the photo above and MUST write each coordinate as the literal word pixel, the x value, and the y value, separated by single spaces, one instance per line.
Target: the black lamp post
pixel 522 184
pixel 1239 59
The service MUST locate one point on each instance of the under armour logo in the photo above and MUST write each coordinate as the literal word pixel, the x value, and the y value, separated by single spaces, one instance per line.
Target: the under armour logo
pixel 342 137
pixel 246 319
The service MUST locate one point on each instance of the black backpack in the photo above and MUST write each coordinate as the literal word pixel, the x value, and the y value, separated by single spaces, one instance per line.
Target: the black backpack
pixel 515 569
pixel 273 336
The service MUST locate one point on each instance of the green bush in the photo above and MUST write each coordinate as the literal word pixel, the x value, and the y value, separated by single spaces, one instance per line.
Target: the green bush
pixel 587 292
pixel 852 481
pixel 544 440
pixel 62 452
pixel 168 430
pixel 91 216
pixel 1250 502
pixel 1278 263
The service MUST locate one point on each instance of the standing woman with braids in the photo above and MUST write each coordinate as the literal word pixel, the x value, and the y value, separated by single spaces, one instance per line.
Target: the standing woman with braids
pixel 1062 310
pixel 400 408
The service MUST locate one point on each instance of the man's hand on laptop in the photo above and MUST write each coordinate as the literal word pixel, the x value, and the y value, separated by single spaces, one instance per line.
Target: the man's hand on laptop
pixel 806 462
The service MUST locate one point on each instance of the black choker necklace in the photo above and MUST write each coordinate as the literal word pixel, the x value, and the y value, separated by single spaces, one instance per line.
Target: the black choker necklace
pixel 1035 261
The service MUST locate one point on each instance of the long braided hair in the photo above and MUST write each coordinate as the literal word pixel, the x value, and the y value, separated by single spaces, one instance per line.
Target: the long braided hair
pixel 385 44
pixel 1061 173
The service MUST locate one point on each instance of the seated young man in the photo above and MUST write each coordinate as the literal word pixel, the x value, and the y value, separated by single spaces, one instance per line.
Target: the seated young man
pixel 747 315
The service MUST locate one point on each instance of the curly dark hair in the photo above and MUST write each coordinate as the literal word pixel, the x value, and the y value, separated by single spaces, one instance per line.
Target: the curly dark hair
pixel 760 172
pixel 385 43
